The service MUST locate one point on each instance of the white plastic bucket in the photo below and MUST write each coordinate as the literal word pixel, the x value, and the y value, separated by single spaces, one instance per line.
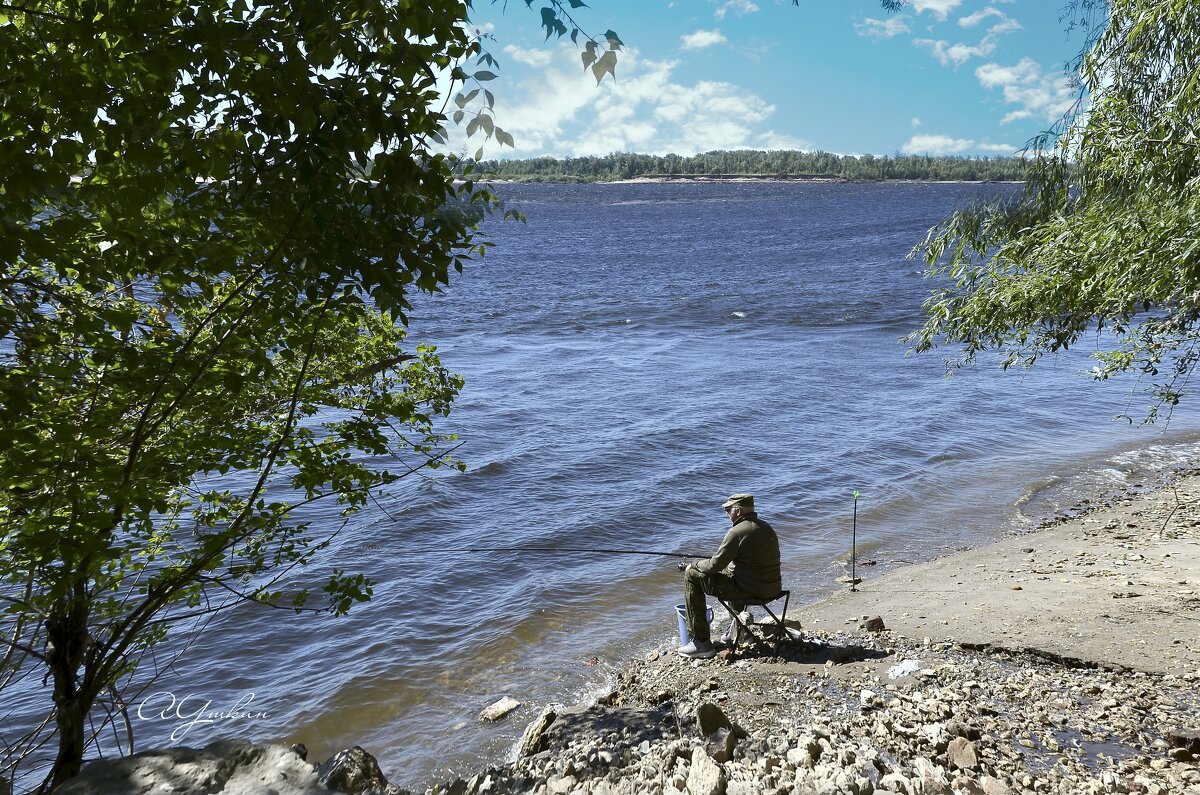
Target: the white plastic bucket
pixel 685 637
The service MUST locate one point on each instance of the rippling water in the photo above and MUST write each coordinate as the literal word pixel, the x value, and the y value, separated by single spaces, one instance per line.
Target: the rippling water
pixel 634 354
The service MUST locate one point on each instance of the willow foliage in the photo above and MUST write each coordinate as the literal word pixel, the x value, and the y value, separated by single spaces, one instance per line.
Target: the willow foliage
pixel 1106 233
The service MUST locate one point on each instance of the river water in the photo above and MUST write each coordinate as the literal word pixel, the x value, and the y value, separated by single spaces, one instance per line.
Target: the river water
pixel 633 354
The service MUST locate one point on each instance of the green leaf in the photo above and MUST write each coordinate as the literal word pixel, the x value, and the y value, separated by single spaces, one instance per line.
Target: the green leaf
pixel 549 20
pixel 606 65
pixel 484 76
pixel 614 41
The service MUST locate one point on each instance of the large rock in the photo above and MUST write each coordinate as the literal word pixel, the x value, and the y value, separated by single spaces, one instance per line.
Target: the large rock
pixel 872 624
pixel 806 753
pixel 720 745
pixel 895 783
pixel 499 709
pixel 957 728
pixel 931 777
pixel 986 785
pixel 355 772
pixel 993 786
pixel 536 738
pixel 230 767
pixel 560 785
pixel 961 753
pixel 1185 738
pixel 710 717
pixel 706 776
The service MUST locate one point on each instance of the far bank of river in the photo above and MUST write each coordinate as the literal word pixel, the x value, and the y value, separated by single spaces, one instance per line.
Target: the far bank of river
pixel 664 179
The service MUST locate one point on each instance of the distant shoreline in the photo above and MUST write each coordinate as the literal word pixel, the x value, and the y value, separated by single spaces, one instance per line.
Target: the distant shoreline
pixel 749 165
pixel 739 178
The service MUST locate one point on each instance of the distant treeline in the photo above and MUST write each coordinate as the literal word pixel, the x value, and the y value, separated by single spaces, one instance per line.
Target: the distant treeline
pixel 751 163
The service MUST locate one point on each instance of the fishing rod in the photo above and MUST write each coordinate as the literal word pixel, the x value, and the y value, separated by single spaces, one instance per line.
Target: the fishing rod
pixel 854 544
pixel 554 550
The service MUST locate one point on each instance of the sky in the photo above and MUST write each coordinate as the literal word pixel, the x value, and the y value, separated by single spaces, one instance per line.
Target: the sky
pixel 942 77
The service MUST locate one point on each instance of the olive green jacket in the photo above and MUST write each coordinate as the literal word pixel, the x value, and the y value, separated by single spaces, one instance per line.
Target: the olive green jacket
pixel 751 551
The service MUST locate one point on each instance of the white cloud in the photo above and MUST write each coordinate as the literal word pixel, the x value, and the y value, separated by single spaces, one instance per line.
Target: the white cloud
pixel 562 112
pixel 1017 115
pixel 1006 25
pixel 936 145
pixel 1039 95
pixel 536 57
pixel 939 8
pixel 916 122
pixel 960 53
pixel 702 38
pixel 945 145
pixel 882 28
pixel 972 20
pixel 956 54
pixel 739 7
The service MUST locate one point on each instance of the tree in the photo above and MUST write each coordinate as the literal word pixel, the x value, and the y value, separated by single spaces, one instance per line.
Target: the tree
pixel 202 322
pixel 213 214
pixel 1103 238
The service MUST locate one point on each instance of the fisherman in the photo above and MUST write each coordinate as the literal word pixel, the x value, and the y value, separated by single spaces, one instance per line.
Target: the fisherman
pixel 750 552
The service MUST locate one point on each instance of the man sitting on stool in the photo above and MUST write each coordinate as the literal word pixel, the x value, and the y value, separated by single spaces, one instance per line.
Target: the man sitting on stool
pixel 750 550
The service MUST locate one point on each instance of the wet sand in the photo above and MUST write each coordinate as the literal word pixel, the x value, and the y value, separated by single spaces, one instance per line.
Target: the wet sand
pixel 1118 587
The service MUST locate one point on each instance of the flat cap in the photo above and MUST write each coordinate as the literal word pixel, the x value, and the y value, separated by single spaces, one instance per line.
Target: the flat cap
pixel 743 500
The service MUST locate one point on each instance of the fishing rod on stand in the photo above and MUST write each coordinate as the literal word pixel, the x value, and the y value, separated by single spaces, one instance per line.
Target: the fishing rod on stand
pixel 854 545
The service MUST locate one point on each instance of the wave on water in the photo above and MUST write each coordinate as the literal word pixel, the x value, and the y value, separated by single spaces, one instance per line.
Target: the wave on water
pixel 1035 489
pixel 615 400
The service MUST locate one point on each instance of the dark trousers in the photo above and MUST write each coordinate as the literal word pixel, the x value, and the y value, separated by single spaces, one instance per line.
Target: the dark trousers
pixel 695 585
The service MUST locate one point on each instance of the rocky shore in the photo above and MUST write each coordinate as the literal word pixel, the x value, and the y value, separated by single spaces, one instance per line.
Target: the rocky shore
pixel 868 713
pixel 1063 661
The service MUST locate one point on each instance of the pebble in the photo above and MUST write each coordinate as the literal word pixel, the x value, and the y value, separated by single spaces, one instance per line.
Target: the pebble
pixel 855 711
pixel 959 721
